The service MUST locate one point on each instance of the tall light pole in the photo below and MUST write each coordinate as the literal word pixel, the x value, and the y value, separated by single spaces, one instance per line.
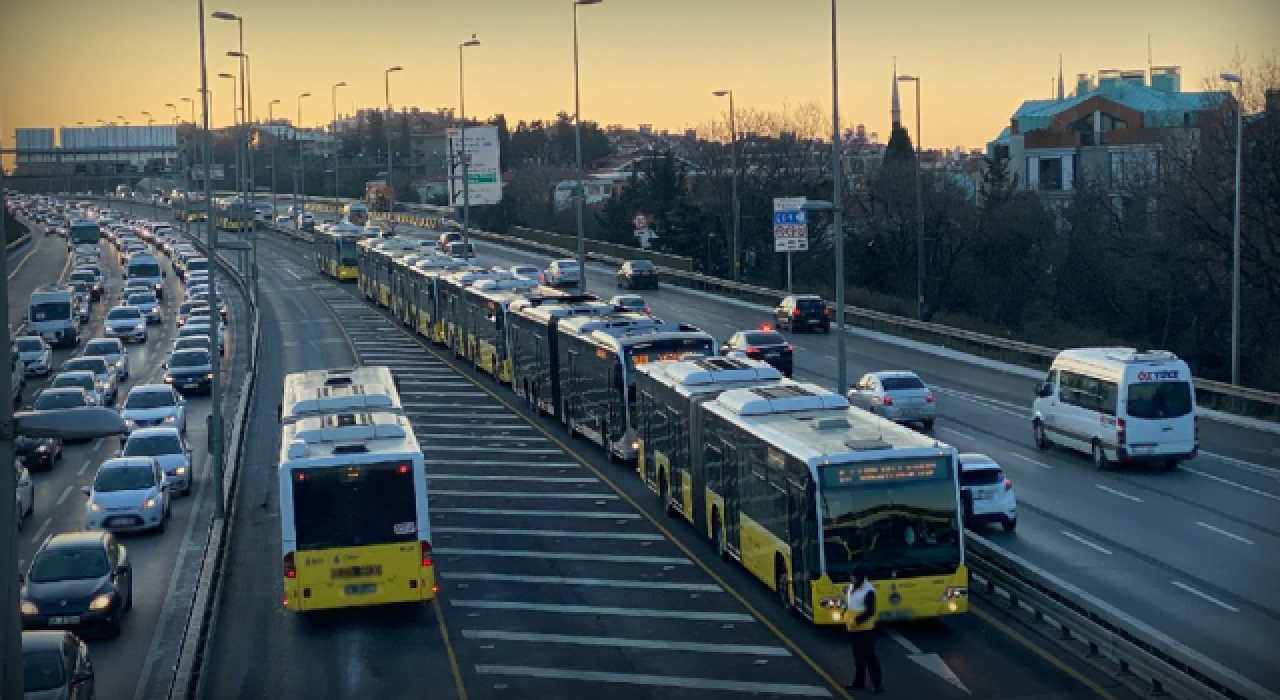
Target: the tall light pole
pixel 174 107
pixel 302 165
pixel 1235 234
pixel 247 123
pixel 386 126
pixel 837 204
pixel 271 118
pixel 150 119
pixel 122 119
pixel 336 208
pixel 215 385
pixel 919 203
pixel 235 128
pixel 241 176
pixel 733 159
pixel 581 193
pixel 462 150
pixel 193 109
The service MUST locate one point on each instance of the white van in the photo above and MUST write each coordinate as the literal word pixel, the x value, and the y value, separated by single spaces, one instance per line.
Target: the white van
pixel 1119 405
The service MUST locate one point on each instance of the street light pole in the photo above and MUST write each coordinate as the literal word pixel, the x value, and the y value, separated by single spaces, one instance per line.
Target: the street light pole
pixel 302 166
pixel 386 126
pixel 1235 234
pixel 462 150
pixel 150 119
pixel 336 208
pixel 736 264
pixel 581 193
pixel 919 203
pixel 271 118
pixel 235 129
pixel 837 205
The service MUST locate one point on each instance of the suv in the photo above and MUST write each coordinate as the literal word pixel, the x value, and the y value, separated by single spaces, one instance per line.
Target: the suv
pixel 803 311
pixel 986 493
pixel 563 273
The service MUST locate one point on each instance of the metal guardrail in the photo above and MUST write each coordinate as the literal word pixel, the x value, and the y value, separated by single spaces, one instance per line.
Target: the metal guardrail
pixel 1100 630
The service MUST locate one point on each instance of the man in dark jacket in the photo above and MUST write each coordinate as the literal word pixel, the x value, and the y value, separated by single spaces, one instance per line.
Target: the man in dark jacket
pixel 861 603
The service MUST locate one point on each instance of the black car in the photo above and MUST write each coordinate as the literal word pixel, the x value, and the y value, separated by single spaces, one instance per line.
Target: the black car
pixel 78 580
pixel 803 312
pixel 768 346
pixel 55 666
pixel 38 453
pixel 190 371
pixel 638 274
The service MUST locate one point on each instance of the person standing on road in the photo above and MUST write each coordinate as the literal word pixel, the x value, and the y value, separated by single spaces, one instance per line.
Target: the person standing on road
pixel 862 624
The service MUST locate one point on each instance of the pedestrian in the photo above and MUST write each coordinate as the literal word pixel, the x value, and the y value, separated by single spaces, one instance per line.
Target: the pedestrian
pixel 862 624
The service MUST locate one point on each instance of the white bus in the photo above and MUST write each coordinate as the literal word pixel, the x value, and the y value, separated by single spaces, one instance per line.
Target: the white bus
pixel 354 523
pixel 356 213
pixel 355 389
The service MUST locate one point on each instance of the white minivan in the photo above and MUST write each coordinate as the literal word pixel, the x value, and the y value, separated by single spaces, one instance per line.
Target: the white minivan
pixel 1119 405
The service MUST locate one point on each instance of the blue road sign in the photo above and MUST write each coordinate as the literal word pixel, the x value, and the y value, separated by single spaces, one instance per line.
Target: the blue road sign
pixel 782 218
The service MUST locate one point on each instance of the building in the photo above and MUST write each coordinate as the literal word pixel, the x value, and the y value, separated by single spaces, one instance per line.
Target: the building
pixel 1109 132
pixel 95 151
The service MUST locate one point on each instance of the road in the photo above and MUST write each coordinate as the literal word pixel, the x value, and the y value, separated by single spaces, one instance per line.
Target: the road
pixel 560 578
pixel 138 664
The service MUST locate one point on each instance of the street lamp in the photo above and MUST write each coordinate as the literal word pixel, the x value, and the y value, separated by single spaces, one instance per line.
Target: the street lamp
pixel 577 142
pixel 336 209
pixel 302 165
pixel 232 17
pixel 387 128
pixel 235 127
pixel 122 119
pixel 837 219
pixel 271 118
pixel 733 155
pixel 919 203
pixel 462 151
pixel 150 119
pixel 174 107
pixel 1235 234
pixel 193 108
pixel 246 138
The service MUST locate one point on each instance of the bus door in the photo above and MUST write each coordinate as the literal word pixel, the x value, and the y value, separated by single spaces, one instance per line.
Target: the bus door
pixel 733 467
pixel 802 528
pixel 677 455
pixel 566 409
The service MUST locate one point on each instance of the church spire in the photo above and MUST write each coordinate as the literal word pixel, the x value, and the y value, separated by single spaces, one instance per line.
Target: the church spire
pixel 895 109
pixel 1061 86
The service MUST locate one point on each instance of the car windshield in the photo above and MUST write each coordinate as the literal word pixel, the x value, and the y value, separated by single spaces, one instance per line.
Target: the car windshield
pixel 809 304
pixel 124 315
pixel 152 445
pixel 60 399
pixel 1157 400
pixel 42 670
pixel 97 348
pixel 29 345
pixel 971 476
pixel 83 381
pixel 901 383
pixel 642 265
pixel 132 478
pixel 193 341
pixel 188 359
pixel 141 299
pixel 51 311
pixel 67 563
pixel 764 338
pixel 144 270
pixel 97 365
pixel 139 400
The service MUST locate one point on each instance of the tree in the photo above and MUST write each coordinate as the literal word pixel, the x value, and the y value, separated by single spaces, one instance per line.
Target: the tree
pixel 376 141
pixel 899 149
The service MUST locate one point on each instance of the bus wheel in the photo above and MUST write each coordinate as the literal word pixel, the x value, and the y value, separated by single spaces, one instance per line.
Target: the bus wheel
pixel 1100 456
pixel 784 585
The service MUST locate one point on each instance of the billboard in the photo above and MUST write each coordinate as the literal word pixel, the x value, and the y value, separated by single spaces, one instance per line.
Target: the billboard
pixel 483 170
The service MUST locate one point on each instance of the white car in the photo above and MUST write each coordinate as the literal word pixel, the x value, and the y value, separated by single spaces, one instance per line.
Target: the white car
pixel 128 494
pixel 36 355
pixel 562 273
pixel 170 451
pixel 26 495
pixel 986 493
pixel 149 405
pixel 202 329
pixel 112 350
pixel 80 379
pixel 530 271
pixel 126 323
pixel 147 303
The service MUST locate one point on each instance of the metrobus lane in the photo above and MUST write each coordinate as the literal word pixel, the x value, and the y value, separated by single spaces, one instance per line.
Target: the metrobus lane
pixel 559 579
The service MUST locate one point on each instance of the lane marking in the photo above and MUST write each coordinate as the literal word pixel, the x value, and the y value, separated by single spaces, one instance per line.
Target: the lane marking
pixel 1036 462
pixel 35 539
pixel 1224 533
pixel 1121 494
pixel 474 425
pixel 458 685
pixel 530 479
pixel 1039 650
pixel 539 513
pixel 564 556
pixel 907 644
pixel 97 444
pixel 688 615
pixel 572 534
pixel 63 498
pixel 627 643
pixel 1205 596
pixel 83 468
pixel 527 465
pixel 489 418
pixel 576 581
pixel 527 494
pixel 479 439
pixel 809 691
pixel 1262 469
pixel 1228 482
pixel 1086 543
pixel 953 431
pixel 513 450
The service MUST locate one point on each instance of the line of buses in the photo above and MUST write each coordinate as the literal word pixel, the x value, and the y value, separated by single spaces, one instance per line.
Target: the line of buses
pixel 782 476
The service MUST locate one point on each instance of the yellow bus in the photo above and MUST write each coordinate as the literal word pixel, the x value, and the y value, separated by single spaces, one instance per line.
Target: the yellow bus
pixel 233 214
pixel 354 521
pixel 375 258
pixel 414 300
pixel 800 488
pixel 335 249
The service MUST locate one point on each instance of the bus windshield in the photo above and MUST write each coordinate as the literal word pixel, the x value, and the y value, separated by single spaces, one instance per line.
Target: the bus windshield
pixel 660 350
pixel 894 515
pixel 347 252
pixel 82 233
pixel 354 506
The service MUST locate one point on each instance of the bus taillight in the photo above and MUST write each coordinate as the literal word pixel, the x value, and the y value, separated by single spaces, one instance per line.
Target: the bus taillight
pixel 290 571
pixel 426 553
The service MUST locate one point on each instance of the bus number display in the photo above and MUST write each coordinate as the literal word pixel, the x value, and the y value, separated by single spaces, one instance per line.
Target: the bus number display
pixel 879 473
pixel 639 359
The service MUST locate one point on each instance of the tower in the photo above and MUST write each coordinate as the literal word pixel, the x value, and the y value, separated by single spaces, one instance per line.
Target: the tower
pixel 895 109
pixel 1061 87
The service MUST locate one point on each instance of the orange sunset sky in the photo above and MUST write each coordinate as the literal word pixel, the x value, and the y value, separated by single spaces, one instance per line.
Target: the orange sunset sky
pixel 643 61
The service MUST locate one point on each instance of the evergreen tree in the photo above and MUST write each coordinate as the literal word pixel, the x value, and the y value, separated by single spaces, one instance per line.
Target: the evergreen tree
pixel 899 149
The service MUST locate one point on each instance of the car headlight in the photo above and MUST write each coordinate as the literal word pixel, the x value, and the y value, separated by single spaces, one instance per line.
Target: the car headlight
pixel 102 601
pixel 29 608
pixel 42 448
pixel 150 503
pixel 129 422
pixel 209 375
pixel 94 507
pixel 170 418
pixel 179 471
pixel 140 327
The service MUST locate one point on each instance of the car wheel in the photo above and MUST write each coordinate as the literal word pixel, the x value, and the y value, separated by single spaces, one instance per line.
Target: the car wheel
pixel 159 531
pixel 1009 525
pixel 1100 456
pixel 1170 465
pixel 1042 440
pixel 113 624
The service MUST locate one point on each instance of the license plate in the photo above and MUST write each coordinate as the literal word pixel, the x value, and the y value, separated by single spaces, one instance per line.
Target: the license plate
pixel 771 354
pixel 119 520
pixel 356 571
pixel 910 412
pixel 981 495
pixel 361 588
pixel 65 620
pixel 895 614
pixel 190 385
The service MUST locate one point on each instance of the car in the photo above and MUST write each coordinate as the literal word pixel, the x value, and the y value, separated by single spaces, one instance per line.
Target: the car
pixel 444 239
pixel 986 492
pixel 104 373
pixel 898 395
pixel 66 397
pixel 767 345
pixel 128 494
pixel 83 379
pixel 802 311
pixel 190 371
pixel 638 274
pixel 562 273
pixel 36 355
pixel 26 493
pixel 530 271
pixel 630 302
pixel 166 445
pixel 86 275
pixel 83 310
pixel 187 308
pixel 55 666
pixel 78 580
pixel 111 350
pixel 147 303
pixel 126 323
pixel 36 452
pixel 149 405
pixel 134 287
pixel 198 329
pixel 192 341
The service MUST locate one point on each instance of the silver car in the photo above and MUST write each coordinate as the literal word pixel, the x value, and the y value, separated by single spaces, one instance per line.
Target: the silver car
pixel 112 350
pixel 126 323
pixel 36 355
pixel 83 379
pixel 104 373
pixel 898 395
pixel 562 273
pixel 147 303
pixel 26 493
pixel 170 451
pixel 149 405
pixel 128 494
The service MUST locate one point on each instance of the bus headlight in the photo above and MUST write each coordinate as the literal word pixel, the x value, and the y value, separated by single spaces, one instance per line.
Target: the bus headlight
pixel 955 593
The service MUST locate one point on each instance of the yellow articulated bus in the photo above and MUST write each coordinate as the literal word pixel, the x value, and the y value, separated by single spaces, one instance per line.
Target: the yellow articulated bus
pixel 335 249
pixel 233 214
pixel 533 344
pixel 459 323
pixel 376 258
pixel 488 302
pixel 800 488
pixel 355 527
pixel 422 295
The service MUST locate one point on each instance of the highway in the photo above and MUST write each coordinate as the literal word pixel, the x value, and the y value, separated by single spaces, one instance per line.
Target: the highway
pixel 138 664
pixel 560 577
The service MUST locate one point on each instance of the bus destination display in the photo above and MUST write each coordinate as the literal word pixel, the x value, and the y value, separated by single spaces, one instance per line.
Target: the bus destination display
pixel 885 472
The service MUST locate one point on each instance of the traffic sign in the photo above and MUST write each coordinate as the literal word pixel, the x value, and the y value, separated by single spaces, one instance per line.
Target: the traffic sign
pixel 640 221
pixel 790 225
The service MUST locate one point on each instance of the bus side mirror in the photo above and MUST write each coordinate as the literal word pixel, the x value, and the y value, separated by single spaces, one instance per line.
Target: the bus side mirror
pixel 1044 390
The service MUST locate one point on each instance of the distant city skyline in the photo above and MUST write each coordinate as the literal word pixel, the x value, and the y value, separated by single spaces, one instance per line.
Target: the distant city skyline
pixel 653 63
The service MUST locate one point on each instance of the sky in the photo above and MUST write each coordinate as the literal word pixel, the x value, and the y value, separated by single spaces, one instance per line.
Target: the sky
pixel 642 61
